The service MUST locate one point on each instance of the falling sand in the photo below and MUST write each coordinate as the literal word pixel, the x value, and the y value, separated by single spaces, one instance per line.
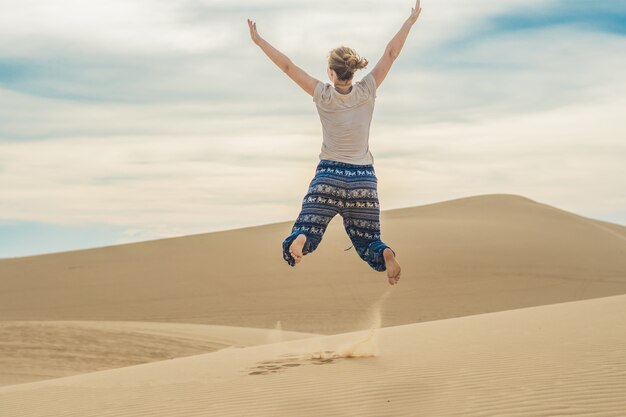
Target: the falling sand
pixel 321 350
pixel 368 346
pixel 362 344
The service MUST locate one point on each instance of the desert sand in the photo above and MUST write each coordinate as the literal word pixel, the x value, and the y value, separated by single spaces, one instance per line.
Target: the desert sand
pixel 506 306
pixel 36 350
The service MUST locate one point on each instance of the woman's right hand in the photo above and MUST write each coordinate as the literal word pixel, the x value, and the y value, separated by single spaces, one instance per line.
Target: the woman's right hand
pixel 415 12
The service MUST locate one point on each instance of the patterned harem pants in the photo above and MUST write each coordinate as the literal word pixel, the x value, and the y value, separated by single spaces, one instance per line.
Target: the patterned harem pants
pixel 348 190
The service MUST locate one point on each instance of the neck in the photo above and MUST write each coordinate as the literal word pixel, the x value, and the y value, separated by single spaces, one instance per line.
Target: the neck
pixel 343 86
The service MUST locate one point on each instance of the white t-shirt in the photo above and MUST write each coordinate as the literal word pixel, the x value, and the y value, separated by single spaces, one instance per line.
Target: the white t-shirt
pixel 346 120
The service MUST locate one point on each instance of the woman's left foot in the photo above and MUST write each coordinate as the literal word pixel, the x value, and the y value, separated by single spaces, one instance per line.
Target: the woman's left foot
pixel 392 266
pixel 296 247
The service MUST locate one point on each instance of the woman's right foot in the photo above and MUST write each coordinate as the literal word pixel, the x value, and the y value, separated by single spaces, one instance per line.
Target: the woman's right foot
pixel 296 247
pixel 392 266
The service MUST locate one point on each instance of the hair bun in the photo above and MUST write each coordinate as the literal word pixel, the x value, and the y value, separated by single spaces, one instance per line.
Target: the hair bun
pixel 345 62
pixel 362 63
pixel 350 61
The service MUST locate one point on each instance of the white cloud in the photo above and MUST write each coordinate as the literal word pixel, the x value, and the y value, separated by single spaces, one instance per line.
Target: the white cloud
pixel 570 157
pixel 116 26
pixel 164 118
pixel 183 181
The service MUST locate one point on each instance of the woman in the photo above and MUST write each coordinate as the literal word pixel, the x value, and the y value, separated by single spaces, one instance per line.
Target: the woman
pixel 345 182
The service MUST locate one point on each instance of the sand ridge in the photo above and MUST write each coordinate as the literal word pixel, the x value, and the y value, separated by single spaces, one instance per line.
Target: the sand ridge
pixel 455 256
pixel 36 350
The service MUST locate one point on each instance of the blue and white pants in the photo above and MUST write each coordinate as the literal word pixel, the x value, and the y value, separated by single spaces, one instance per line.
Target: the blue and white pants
pixel 348 190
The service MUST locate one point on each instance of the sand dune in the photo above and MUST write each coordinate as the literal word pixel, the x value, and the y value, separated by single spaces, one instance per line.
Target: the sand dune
pixel 37 350
pixel 563 359
pixel 129 307
pixel 460 257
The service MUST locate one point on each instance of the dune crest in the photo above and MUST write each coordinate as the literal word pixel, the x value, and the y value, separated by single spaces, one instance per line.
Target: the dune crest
pixel 457 254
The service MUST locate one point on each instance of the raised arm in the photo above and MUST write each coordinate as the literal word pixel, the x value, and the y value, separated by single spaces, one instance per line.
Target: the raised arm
pixel 294 72
pixel 395 46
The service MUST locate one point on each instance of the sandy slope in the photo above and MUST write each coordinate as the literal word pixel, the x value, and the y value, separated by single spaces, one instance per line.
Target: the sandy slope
pixel 460 257
pixel 36 350
pixel 562 359
pixel 68 313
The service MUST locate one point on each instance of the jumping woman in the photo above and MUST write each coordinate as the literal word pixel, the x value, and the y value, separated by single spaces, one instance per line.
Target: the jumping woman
pixel 345 182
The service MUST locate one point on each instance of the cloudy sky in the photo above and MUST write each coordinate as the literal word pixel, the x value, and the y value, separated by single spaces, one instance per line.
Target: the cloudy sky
pixel 131 120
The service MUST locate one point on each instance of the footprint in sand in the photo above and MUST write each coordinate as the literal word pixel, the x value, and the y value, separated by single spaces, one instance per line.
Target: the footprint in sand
pixel 291 360
pixel 258 373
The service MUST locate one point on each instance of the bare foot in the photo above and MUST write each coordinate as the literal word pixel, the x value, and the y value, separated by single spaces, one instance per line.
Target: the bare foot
pixel 392 265
pixel 296 247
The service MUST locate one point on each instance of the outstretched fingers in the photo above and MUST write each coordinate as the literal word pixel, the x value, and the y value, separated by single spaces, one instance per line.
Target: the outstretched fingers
pixel 415 12
pixel 254 35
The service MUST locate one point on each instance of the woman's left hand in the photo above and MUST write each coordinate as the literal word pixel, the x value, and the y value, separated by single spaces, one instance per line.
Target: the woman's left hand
pixel 253 33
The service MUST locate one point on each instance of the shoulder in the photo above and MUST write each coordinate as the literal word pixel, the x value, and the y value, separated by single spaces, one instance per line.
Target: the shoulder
pixel 368 83
pixel 321 89
pixel 325 96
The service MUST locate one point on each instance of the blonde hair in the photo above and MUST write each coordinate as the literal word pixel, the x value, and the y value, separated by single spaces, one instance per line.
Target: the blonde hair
pixel 345 61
